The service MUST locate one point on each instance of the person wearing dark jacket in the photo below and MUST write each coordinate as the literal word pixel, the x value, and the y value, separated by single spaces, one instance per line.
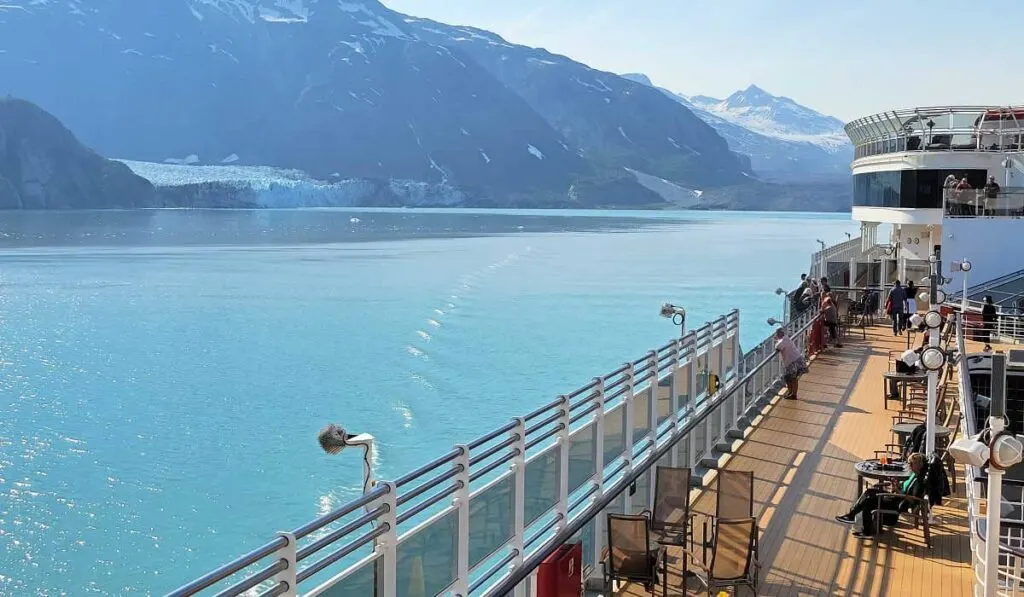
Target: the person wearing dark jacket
pixel 869 501
pixel 896 307
pixel 988 320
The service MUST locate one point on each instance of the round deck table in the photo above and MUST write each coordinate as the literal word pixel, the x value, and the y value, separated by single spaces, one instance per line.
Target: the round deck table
pixel 871 469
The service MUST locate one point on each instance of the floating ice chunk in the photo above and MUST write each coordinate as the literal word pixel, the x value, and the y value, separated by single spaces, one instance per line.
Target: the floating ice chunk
pixel 487 159
pixel 536 152
pixel 231 159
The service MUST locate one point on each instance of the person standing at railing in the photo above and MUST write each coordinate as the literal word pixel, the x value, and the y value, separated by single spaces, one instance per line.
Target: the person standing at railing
pixel 991 193
pixel 962 196
pixel 948 195
pixel 793 363
pixel 988 321
pixel 831 315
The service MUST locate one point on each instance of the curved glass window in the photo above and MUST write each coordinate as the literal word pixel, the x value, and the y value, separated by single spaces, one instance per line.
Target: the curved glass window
pixel 909 189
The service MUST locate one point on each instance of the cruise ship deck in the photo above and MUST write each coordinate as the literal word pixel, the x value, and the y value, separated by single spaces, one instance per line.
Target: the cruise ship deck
pixel 802 454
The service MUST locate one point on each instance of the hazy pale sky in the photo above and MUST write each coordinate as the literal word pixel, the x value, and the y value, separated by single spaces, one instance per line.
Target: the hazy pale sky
pixel 847 59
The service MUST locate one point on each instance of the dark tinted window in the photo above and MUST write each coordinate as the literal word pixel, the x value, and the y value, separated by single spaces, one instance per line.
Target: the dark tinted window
pixel 911 189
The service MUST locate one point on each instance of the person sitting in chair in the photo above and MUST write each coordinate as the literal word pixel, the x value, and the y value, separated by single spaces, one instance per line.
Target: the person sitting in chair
pixel 869 501
pixel 903 365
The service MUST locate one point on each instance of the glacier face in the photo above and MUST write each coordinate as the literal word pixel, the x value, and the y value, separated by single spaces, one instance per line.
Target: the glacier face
pixel 268 187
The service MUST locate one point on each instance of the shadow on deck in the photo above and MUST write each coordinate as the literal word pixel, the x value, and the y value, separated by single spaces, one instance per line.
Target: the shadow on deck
pixel 802 453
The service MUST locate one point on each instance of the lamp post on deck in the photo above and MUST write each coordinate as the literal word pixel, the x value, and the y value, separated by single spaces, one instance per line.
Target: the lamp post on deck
pixel 676 314
pixel 933 319
pixel 333 439
pixel 963 266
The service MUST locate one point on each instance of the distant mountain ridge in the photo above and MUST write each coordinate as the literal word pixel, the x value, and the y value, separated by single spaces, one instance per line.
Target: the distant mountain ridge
pixel 785 141
pixel 775 116
pixel 346 89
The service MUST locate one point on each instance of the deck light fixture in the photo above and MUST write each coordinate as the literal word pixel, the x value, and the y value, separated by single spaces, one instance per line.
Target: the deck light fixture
pixel 677 314
pixel 333 439
pixel 932 358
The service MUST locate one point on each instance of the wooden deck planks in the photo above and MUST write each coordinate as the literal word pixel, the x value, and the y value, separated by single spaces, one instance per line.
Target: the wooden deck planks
pixel 802 454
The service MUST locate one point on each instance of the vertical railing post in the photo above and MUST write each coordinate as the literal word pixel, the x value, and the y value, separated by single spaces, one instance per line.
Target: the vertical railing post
pixel 627 416
pixel 736 348
pixel 461 503
pixel 562 508
pixel 518 468
pixel 599 537
pixel 691 437
pixel 387 544
pixel 652 414
pixel 673 400
pixel 288 575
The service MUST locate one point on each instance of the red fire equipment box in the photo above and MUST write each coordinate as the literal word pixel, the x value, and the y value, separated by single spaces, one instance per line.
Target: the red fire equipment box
pixel 560 574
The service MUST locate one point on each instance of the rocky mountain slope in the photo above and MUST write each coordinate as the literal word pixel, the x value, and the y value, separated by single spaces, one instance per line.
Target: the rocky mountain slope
pixel 785 141
pixel 43 166
pixel 351 90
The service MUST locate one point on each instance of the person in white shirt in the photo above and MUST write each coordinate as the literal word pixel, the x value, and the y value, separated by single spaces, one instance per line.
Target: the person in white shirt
pixel 793 363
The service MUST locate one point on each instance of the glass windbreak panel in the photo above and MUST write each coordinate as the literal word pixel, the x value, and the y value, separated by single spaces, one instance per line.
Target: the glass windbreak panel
pixel 665 399
pixel 426 560
pixel 729 357
pixel 641 415
pixel 586 535
pixel 490 520
pixel 614 434
pixel 702 377
pixel 683 386
pixel 682 450
pixel 641 500
pixel 868 274
pixel 700 435
pixel 359 582
pixel 582 457
pixel 617 505
pixel 715 360
pixel 541 484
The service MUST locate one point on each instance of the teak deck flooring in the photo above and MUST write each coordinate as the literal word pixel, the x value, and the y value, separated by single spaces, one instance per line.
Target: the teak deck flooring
pixel 802 453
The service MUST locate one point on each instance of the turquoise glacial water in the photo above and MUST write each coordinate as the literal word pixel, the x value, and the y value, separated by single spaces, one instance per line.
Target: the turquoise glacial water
pixel 163 374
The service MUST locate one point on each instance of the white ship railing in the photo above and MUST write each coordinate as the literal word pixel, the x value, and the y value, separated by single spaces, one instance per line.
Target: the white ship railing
pixel 486 513
pixel 1011 535
pixel 939 128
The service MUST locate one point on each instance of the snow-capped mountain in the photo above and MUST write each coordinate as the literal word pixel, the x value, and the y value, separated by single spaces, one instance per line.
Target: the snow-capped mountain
pixel 784 140
pixel 349 89
pixel 774 116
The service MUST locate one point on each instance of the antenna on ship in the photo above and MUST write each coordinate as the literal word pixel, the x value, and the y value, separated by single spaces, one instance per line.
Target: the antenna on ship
pixel 333 439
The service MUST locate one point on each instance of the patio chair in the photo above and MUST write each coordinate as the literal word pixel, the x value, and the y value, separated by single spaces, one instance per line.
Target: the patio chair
pixel 670 516
pixel 734 500
pixel 630 554
pixel 919 510
pixel 733 560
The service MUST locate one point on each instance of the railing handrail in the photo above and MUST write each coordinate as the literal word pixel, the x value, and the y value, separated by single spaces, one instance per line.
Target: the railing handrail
pixel 629 376
pixel 979 535
pixel 523 572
